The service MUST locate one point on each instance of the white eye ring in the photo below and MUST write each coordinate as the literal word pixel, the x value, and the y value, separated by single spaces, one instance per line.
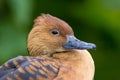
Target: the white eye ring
pixel 55 32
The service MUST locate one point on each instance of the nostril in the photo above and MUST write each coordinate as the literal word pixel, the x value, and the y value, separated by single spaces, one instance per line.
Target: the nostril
pixel 71 45
pixel 69 42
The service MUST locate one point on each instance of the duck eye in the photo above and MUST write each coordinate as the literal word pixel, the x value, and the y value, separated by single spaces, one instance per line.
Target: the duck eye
pixel 55 32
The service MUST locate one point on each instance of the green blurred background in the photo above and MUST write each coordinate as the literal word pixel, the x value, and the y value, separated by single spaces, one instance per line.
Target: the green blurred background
pixel 96 21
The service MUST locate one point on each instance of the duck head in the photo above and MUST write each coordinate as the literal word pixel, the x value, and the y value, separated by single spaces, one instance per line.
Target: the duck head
pixel 51 35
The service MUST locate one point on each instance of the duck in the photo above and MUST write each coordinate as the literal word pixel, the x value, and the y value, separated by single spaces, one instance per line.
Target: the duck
pixel 55 54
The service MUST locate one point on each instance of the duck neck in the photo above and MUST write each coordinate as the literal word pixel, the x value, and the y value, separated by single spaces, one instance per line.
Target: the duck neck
pixel 68 55
pixel 77 55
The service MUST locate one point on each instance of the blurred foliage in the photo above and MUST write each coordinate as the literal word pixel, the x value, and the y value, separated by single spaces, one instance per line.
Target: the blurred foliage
pixel 96 21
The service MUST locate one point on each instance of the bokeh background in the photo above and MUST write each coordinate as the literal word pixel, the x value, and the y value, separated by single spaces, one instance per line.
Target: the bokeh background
pixel 96 21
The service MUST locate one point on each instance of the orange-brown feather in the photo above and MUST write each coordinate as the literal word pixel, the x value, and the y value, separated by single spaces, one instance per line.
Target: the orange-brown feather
pixel 41 41
pixel 52 22
pixel 62 65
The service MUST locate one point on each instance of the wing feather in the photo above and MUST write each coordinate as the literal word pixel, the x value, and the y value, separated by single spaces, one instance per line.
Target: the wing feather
pixel 28 68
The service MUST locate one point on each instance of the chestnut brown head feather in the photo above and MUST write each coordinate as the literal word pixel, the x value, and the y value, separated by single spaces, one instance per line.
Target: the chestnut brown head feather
pixel 51 21
pixel 52 37
pixel 42 41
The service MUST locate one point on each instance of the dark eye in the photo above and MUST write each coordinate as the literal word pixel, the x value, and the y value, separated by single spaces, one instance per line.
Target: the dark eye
pixel 55 32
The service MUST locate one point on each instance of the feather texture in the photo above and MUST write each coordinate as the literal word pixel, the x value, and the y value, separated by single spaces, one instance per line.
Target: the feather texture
pixel 30 68
pixel 58 56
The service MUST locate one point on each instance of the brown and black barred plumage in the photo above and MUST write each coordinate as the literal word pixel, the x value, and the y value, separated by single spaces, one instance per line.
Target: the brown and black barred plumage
pixel 30 68
pixel 55 54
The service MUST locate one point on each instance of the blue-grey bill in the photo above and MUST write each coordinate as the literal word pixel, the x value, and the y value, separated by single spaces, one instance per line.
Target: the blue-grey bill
pixel 74 43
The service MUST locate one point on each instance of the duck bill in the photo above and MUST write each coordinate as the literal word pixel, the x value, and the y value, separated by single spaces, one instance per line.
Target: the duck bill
pixel 74 43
